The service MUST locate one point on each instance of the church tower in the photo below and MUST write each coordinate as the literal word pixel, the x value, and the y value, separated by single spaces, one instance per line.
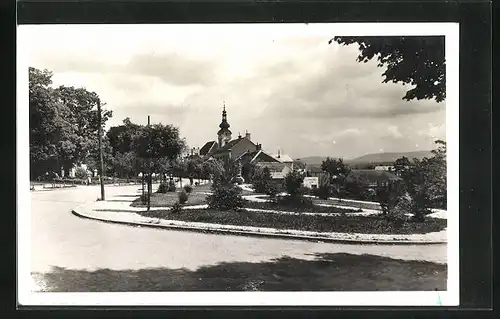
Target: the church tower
pixel 224 134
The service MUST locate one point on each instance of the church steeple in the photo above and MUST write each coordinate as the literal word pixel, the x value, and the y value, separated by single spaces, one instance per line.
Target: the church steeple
pixel 224 125
pixel 224 134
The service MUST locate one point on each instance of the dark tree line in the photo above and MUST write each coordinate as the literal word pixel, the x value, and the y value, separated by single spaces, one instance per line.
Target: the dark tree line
pixel 63 124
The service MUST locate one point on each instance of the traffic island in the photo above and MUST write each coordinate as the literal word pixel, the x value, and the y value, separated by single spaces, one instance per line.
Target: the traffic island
pixel 259 223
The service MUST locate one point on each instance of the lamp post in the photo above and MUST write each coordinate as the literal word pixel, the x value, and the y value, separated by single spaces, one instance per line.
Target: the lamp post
pixel 101 161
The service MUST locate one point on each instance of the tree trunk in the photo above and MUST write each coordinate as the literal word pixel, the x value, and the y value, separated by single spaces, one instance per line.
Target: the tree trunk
pixel 150 186
pixel 142 177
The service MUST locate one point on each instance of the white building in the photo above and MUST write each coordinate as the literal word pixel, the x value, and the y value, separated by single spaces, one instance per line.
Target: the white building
pixel 388 168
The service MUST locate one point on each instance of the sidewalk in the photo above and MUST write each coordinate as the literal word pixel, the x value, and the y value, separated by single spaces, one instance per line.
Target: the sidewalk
pixel 117 209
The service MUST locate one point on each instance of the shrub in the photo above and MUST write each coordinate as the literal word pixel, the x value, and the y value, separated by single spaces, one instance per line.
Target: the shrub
pixel 144 198
pixel 225 197
pixel 272 191
pixel 294 201
pixel 323 192
pixel 163 188
pixel 177 208
pixel 171 186
pixel 401 208
pixel 388 197
pixel 261 179
pixel 293 183
pixel 183 197
pixel 188 189
pixel 80 173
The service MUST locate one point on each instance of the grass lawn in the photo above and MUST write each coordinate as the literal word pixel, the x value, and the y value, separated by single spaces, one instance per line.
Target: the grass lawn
pixel 325 272
pixel 169 199
pixel 343 224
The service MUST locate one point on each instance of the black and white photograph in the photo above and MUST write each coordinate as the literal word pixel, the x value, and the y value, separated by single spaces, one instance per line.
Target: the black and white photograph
pixel 238 164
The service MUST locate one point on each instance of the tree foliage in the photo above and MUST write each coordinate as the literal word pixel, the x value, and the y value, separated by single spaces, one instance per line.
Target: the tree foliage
pixel 425 181
pixel 401 165
pixel 415 60
pixel 194 168
pixel 261 179
pixel 293 183
pixel 63 123
pixel 213 169
pixel 338 171
pixel 93 158
pixel 120 137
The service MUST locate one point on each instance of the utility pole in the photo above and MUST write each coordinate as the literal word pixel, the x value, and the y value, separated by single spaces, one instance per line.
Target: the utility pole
pixel 101 161
pixel 150 184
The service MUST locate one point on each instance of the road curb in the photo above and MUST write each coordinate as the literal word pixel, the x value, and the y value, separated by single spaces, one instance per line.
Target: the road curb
pixel 77 212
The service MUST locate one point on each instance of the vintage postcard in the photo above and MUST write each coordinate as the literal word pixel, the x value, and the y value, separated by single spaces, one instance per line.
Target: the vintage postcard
pixel 238 164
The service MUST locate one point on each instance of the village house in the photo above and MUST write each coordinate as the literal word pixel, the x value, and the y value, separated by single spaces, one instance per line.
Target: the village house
pixel 244 151
pixel 370 178
pixel 389 168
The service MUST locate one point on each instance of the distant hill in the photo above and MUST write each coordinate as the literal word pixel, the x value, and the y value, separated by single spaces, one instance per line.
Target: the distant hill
pixel 312 160
pixel 369 158
pixel 388 157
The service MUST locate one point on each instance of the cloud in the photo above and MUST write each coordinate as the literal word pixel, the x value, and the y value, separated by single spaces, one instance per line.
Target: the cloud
pixel 284 83
pixel 394 131
pixel 169 67
pixel 173 68
pixel 349 132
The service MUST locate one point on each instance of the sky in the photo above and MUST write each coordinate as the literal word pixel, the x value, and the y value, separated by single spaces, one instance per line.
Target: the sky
pixel 283 83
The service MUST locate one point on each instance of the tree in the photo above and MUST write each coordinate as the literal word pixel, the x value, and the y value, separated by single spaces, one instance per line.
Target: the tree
pixel 120 137
pixel 47 123
pixel 153 144
pixel 213 169
pixel 193 168
pixel 261 179
pixel 401 166
pixel 388 195
pixel 415 60
pixel 338 172
pixel 437 175
pixel 125 164
pixel 84 119
pixel 293 183
pixel 93 159
pixel 323 191
pixel 63 124
pixel 426 182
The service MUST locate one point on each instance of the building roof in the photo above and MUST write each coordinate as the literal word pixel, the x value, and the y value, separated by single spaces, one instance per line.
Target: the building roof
pixel 299 164
pixel 314 168
pixel 265 157
pixel 207 147
pixel 283 158
pixel 371 176
pixel 228 146
pixel 272 166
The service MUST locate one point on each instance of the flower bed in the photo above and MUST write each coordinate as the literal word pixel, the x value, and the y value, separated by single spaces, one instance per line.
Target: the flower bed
pixel 300 208
pixel 341 224
pixel 345 202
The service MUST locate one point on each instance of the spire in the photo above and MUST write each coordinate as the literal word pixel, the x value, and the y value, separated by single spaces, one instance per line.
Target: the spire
pixel 279 153
pixel 224 125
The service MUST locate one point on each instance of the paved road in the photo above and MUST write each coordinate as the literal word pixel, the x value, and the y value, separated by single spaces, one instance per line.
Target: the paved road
pixel 60 239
